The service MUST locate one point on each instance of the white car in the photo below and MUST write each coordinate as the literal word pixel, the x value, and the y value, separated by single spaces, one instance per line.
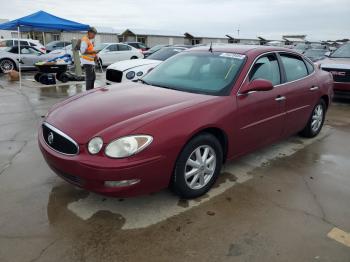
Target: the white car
pixel 133 70
pixel 29 56
pixel 110 53
pixel 23 42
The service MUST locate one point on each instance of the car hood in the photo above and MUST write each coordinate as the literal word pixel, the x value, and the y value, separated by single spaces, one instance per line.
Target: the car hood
pixel 336 63
pixel 128 64
pixel 117 110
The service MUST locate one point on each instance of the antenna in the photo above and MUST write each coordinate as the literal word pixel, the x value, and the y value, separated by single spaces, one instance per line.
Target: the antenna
pixel 211 47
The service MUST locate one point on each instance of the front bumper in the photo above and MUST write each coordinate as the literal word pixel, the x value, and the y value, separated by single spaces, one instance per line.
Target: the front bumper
pixel 91 172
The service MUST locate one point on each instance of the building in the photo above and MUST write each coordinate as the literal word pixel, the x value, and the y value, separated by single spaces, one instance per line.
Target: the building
pixel 151 37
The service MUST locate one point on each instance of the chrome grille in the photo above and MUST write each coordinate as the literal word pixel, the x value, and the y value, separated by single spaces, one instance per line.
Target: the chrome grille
pixel 59 141
pixel 114 75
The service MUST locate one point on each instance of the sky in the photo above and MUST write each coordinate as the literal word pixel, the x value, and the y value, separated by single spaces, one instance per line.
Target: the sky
pixel 319 20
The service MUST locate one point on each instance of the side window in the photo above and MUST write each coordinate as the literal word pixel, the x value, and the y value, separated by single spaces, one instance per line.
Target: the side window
pixel 266 68
pixel 310 66
pixel 112 48
pixel 32 44
pixel 123 48
pixel 294 66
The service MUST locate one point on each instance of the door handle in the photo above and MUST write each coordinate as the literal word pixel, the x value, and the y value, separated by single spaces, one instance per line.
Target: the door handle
pixel 280 98
pixel 314 88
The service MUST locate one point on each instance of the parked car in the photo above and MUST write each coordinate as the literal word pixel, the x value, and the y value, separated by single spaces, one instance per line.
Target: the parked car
pixel 153 50
pixel 301 47
pixel 315 54
pixel 138 45
pixel 132 70
pixel 29 56
pixel 338 64
pixel 54 45
pixel 190 114
pixel 4 43
pixel 110 53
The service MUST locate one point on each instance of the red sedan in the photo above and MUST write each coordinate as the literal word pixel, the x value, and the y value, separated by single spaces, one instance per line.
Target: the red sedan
pixel 183 120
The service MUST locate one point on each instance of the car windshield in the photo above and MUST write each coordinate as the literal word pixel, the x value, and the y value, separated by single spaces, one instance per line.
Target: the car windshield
pixel 198 72
pixel 165 53
pixel 155 48
pixel 315 52
pixel 342 52
pixel 100 46
pixel 301 46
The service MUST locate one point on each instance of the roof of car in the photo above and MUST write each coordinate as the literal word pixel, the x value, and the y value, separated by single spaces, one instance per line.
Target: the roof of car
pixel 240 49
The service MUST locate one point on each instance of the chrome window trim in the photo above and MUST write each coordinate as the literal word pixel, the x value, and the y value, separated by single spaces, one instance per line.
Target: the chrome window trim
pixel 266 53
pixel 65 136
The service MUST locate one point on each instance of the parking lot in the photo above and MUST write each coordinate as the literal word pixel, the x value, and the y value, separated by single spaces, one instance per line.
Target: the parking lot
pixel 286 202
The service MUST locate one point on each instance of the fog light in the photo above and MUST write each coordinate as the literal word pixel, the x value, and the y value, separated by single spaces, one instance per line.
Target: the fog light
pixel 121 183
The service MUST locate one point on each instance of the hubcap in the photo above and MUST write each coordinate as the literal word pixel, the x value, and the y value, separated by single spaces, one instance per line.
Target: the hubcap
pixel 200 167
pixel 317 118
pixel 6 65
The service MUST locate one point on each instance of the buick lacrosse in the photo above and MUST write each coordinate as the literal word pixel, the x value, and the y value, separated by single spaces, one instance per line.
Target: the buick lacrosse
pixel 180 123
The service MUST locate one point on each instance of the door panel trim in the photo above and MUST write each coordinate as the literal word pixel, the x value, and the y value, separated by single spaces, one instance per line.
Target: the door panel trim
pixel 263 120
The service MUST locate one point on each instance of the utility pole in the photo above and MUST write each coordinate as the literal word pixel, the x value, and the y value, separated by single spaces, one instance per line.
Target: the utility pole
pixel 76 58
pixel 238 30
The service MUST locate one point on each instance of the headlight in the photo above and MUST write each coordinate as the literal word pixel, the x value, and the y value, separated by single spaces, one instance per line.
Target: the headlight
pixel 128 146
pixel 130 75
pixel 140 73
pixel 95 145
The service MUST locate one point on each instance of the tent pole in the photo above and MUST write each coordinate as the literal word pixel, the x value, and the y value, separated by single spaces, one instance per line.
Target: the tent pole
pixel 19 59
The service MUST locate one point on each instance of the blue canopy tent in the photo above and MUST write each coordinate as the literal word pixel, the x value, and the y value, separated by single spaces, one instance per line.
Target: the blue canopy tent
pixel 41 22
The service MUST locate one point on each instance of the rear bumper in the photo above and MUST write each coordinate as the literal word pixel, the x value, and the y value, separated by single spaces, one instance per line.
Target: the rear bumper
pixel 91 172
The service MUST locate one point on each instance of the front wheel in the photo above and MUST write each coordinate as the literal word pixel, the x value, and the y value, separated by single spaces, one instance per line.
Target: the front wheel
pixel 7 65
pixel 197 167
pixel 134 57
pixel 315 123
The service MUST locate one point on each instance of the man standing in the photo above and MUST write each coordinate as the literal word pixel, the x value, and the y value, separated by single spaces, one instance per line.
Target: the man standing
pixel 88 57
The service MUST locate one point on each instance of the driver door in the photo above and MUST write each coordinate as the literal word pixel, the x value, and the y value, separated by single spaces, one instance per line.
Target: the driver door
pixel 29 56
pixel 261 114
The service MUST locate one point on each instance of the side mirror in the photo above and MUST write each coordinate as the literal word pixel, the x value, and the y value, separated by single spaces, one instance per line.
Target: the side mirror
pixel 327 54
pixel 257 85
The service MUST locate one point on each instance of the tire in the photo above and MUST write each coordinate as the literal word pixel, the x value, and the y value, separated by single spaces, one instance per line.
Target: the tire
pixel 37 77
pixel 200 177
pixel 134 57
pixel 316 120
pixel 7 65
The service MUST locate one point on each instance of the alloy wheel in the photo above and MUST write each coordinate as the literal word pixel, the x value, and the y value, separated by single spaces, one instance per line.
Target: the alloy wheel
pixel 317 118
pixel 200 167
pixel 6 65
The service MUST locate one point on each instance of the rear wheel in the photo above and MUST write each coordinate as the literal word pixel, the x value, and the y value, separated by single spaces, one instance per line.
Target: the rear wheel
pixel 315 123
pixel 197 167
pixel 7 65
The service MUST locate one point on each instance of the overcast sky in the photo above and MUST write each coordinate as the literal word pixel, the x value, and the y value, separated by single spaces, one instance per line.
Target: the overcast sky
pixel 320 20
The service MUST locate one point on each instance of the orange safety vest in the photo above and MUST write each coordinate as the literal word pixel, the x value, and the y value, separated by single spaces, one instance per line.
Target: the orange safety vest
pixel 90 47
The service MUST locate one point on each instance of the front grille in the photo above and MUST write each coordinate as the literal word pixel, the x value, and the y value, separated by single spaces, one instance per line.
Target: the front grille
pixel 114 75
pixel 59 141
pixel 339 75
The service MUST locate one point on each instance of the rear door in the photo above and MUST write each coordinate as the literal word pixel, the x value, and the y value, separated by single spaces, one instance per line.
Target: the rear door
pixel 261 114
pixel 303 91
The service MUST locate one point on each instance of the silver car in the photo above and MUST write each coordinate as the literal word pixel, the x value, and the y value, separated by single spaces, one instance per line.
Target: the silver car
pixel 29 56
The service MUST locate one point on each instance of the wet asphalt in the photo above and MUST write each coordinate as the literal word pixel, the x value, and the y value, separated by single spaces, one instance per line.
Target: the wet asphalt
pixel 277 204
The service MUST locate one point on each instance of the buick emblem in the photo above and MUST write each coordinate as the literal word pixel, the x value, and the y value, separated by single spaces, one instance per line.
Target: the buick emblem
pixel 50 138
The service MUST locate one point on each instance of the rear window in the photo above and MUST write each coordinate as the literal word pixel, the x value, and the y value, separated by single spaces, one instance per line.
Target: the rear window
pixel 294 66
